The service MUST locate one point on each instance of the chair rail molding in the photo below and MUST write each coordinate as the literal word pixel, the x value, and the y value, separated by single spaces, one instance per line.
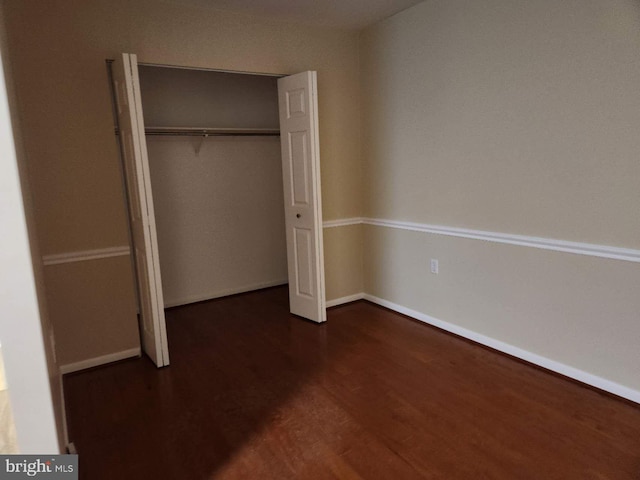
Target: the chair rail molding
pixel 342 222
pixel 83 255
pixel 579 248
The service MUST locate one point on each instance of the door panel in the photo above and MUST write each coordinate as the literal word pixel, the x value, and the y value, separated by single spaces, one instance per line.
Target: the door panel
pixel 141 213
pixel 304 262
pixel 303 203
pixel 298 158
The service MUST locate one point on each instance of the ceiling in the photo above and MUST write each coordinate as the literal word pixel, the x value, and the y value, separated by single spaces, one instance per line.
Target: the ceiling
pixel 348 14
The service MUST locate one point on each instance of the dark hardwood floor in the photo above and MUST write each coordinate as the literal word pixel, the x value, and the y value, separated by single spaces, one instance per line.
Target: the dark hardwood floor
pixel 255 393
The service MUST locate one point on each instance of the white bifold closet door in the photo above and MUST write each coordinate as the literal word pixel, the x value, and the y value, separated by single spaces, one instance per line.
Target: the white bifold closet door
pixel 142 219
pixel 298 105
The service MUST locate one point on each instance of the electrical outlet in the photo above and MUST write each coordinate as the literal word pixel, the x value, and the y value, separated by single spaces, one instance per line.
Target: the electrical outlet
pixel 434 265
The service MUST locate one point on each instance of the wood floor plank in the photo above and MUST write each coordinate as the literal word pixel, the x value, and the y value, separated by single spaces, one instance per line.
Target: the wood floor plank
pixel 254 392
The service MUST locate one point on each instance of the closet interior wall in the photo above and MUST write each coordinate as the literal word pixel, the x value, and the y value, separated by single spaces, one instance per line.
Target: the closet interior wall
pixel 218 200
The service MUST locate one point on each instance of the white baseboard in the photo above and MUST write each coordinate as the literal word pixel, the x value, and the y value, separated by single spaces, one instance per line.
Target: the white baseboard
pixel 554 366
pixel 223 293
pixel 97 361
pixel 342 300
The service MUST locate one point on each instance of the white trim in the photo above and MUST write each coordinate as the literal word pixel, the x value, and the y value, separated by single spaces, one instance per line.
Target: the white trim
pixel 593 250
pixel 342 222
pixel 83 255
pixel 554 366
pixel 580 248
pixel 223 293
pixel 97 361
pixel 342 300
pixel 205 69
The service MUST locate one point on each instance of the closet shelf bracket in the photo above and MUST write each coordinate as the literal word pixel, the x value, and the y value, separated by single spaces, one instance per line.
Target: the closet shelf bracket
pixel 199 147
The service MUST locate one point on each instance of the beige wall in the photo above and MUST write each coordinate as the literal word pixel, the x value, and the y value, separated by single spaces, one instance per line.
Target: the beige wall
pixel 34 380
pixel 219 215
pixel 343 256
pixel 513 117
pixel 58 50
pixel 576 310
pixel 508 116
pixel 93 306
pixel 65 100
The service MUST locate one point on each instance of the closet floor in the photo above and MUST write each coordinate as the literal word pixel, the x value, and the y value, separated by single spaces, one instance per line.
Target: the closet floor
pixel 253 392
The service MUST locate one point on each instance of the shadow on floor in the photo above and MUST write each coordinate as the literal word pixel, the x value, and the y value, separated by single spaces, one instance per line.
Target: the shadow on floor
pixel 234 363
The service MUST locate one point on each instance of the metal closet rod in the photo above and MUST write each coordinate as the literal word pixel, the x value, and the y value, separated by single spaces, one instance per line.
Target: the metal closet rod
pixel 211 132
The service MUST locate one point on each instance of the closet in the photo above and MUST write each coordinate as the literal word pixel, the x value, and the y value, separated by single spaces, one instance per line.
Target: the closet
pixel 222 172
pixel 213 142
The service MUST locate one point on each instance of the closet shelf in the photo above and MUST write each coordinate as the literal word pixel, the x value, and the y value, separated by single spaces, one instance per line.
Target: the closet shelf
pixel 211 132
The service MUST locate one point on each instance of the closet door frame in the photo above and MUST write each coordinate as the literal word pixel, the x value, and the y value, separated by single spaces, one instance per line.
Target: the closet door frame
pixel 318 254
